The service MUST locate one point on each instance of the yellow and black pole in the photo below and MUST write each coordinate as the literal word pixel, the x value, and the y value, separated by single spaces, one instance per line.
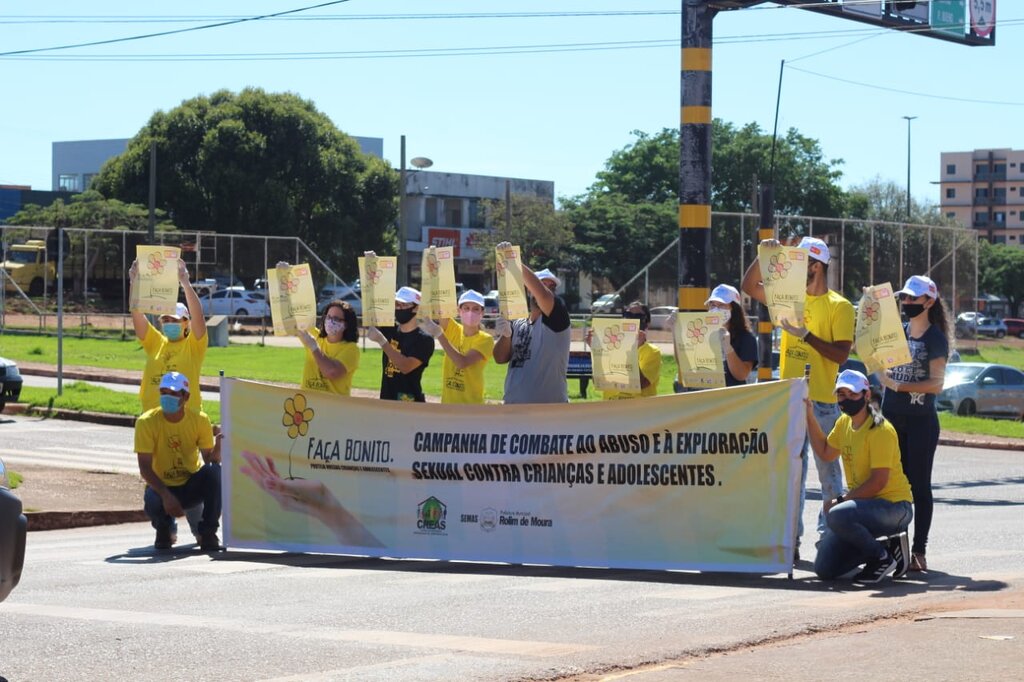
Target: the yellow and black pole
pixel 764 320
pixel 695 155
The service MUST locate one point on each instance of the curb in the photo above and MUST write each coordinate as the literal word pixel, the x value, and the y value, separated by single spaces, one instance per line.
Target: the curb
pixel 983 444
pixel 60 520
pixel 205 384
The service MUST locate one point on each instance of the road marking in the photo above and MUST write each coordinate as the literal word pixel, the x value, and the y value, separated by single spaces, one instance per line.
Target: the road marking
pixel 418 640
pixel 117 463
pixel 348 672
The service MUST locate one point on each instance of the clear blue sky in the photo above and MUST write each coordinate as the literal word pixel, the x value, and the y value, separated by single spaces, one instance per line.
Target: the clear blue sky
pixel 549 115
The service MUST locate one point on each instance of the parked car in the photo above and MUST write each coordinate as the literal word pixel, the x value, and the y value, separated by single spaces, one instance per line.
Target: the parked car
pixel 968 318
pixel 235 302
pixel 350 296
pixel 13 525
pixel 660 316
pixel 609 303
pixel 10 382
pixel 990 326
pixel 984 389
pixel 1014 327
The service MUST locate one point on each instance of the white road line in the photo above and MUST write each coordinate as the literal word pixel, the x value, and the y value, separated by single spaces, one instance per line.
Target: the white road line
pixel 418 640
pixel 118 463
pixel 372 667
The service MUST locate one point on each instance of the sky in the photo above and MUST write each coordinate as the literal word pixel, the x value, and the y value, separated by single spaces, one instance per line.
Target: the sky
pixel 492 108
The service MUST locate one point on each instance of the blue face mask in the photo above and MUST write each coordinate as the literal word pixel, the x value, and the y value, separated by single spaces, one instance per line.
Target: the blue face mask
pixel 172 330
pixel 170 403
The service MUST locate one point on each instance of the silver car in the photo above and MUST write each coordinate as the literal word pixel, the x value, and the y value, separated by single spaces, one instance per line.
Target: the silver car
pixel 12 536
pixel 983 388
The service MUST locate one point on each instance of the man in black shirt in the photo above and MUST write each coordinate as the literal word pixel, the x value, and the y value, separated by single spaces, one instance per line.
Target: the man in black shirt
pixel 407 350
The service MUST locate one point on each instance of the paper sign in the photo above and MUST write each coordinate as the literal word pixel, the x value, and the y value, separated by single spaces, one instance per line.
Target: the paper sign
pixel 156 290
pixel 879 338
pixel 292 298
pixel 614 353
pixel 698 348
pixel 437 289
pixel 378 275
pixel 511 294
pixel 784 273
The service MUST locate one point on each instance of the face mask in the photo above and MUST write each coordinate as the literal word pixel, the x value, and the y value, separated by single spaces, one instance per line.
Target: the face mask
pixel 471 317
pixel 852 406
pixel 912 310
pixel 172 330
pixel 334 328
pixel 403 316
pixel 169 403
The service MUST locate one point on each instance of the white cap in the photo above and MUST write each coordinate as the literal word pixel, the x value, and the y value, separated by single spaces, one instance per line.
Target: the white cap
pixel 472 296
pixel 175 381
pixel 818 248
pixel 407 295
pixel 724 293
pixel 180 311
pixel 919 285
pixel 547 274
pixel 852 380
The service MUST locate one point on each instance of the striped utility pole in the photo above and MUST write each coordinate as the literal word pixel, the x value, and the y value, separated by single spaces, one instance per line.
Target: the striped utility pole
pixel 695 155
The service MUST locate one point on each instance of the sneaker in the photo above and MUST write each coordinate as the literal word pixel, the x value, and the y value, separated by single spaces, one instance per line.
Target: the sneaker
pixel 899 549
pixel 165 538
pixel 876 570
pixel 209 542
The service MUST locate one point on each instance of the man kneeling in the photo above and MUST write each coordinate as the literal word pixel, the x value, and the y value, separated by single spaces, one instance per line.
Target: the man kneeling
pixel 168 440
pixel 878 502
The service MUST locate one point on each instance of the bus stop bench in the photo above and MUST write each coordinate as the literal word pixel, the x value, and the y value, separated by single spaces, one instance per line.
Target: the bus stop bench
pixel 581 366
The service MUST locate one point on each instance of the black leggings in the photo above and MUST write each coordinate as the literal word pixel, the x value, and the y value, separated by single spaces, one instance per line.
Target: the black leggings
pixel 918 436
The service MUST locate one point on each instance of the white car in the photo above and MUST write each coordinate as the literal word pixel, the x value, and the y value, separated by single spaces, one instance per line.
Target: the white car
pixel 235 302
pixel 660 316
pixel 350 297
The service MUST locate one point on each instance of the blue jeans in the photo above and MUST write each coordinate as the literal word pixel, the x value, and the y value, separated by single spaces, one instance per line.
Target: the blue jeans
pixel 830 474
pixel 853 527
pixel 203 487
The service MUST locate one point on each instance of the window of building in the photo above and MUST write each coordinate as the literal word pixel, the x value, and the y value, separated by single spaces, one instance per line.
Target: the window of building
pixel 999 193
pixel 981 192
pixel 999 239
pixel 68 183
pixel 87 180
pixel 950 193
pixel 999 217
pixel 453 212
pixel 430 216
pixel 950 169
pixel 477 216
pixel 981 169
pixel 999 168
pixel 951 214
pixel 981 218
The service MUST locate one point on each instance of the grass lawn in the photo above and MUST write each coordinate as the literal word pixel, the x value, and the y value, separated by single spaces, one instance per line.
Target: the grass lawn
pixel 981 426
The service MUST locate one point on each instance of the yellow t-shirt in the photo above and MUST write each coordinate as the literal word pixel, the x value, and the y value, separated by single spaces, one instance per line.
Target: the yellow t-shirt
pixel 829 317
pixel 174 446
pixel 870 448
pixel 345 352
pixel 649 359
pixel 185 355
pixel 465 385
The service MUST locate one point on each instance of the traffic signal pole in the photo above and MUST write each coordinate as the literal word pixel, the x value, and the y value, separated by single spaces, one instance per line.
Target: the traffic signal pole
pixel 695 155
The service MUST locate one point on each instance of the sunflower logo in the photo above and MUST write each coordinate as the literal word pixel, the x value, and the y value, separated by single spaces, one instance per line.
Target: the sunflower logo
pixel 613 338
pixel 288 284
pixel 696 330
pixel 373 273
pixel 432 264
pixel 156 263
pixel 297 416
pixel 872 311
pixel 779 266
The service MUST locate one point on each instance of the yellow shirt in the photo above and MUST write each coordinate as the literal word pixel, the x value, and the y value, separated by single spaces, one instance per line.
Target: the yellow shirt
pixel 465 385
pixel 649 359
pixel 185 355
pixel 345 352
pixel 870 448
pixel 830 318
pixel 174 446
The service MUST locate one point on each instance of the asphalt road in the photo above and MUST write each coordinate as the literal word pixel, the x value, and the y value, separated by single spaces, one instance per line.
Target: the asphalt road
pixel 97 604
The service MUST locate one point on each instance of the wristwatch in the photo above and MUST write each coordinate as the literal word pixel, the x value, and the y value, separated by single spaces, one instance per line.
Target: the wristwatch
pixel 839 499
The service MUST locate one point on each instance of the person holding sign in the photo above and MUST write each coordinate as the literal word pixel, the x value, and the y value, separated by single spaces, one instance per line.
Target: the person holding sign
pixel 739 348
pixel 536 348
pixel 878 502
pixel 909 400
pixel 407 350
pixel 180 345
pixel 822 342
pixel 332 351
pixel 466 351
pixel 648 355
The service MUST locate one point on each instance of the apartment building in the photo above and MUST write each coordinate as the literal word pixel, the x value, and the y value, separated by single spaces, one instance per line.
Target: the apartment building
pixel 984 190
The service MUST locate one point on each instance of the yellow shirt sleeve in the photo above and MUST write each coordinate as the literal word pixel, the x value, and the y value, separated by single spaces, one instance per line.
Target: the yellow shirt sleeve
pixel 844 320
pixel 650 367
pixel 205 429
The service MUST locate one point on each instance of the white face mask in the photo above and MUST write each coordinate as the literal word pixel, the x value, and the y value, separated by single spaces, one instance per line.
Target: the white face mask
pixel 333 328
pixel 471 317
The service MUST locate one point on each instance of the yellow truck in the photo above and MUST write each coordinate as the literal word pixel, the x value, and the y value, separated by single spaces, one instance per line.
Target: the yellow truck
pixel 32 266
pixel 27 265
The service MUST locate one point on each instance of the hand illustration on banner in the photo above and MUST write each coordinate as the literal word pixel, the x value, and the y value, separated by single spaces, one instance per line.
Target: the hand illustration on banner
pixel 312 498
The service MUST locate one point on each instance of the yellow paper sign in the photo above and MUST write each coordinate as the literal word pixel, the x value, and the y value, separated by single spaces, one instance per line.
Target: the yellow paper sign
pixel 614 353
pixel 378 275
pixel 437 289
pixel 292 298
pixel 511 295
pixel 784 273
pixel 879 337
pixel 698 348
pixel 156 290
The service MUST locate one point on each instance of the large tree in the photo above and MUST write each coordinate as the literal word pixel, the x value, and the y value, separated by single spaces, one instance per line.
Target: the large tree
pixel 261 163
pixel 1001 272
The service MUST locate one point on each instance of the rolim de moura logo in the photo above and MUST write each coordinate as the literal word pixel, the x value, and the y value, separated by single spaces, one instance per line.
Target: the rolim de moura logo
pixel 431 516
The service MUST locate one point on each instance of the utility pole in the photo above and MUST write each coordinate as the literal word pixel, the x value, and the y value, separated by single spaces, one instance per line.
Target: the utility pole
pixel 909 119
pixel 152 191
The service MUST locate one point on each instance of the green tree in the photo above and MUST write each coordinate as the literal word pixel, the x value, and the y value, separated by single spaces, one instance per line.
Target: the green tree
pixel 262 163
pixel 542 232
pixel 1002 272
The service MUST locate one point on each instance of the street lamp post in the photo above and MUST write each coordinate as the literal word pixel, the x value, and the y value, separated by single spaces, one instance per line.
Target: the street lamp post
pixel 909 119
pixel 403 233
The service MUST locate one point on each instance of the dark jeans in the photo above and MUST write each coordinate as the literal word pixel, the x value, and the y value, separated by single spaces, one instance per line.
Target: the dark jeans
pixel 202 487
pixel 918 436
pixel 853 527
